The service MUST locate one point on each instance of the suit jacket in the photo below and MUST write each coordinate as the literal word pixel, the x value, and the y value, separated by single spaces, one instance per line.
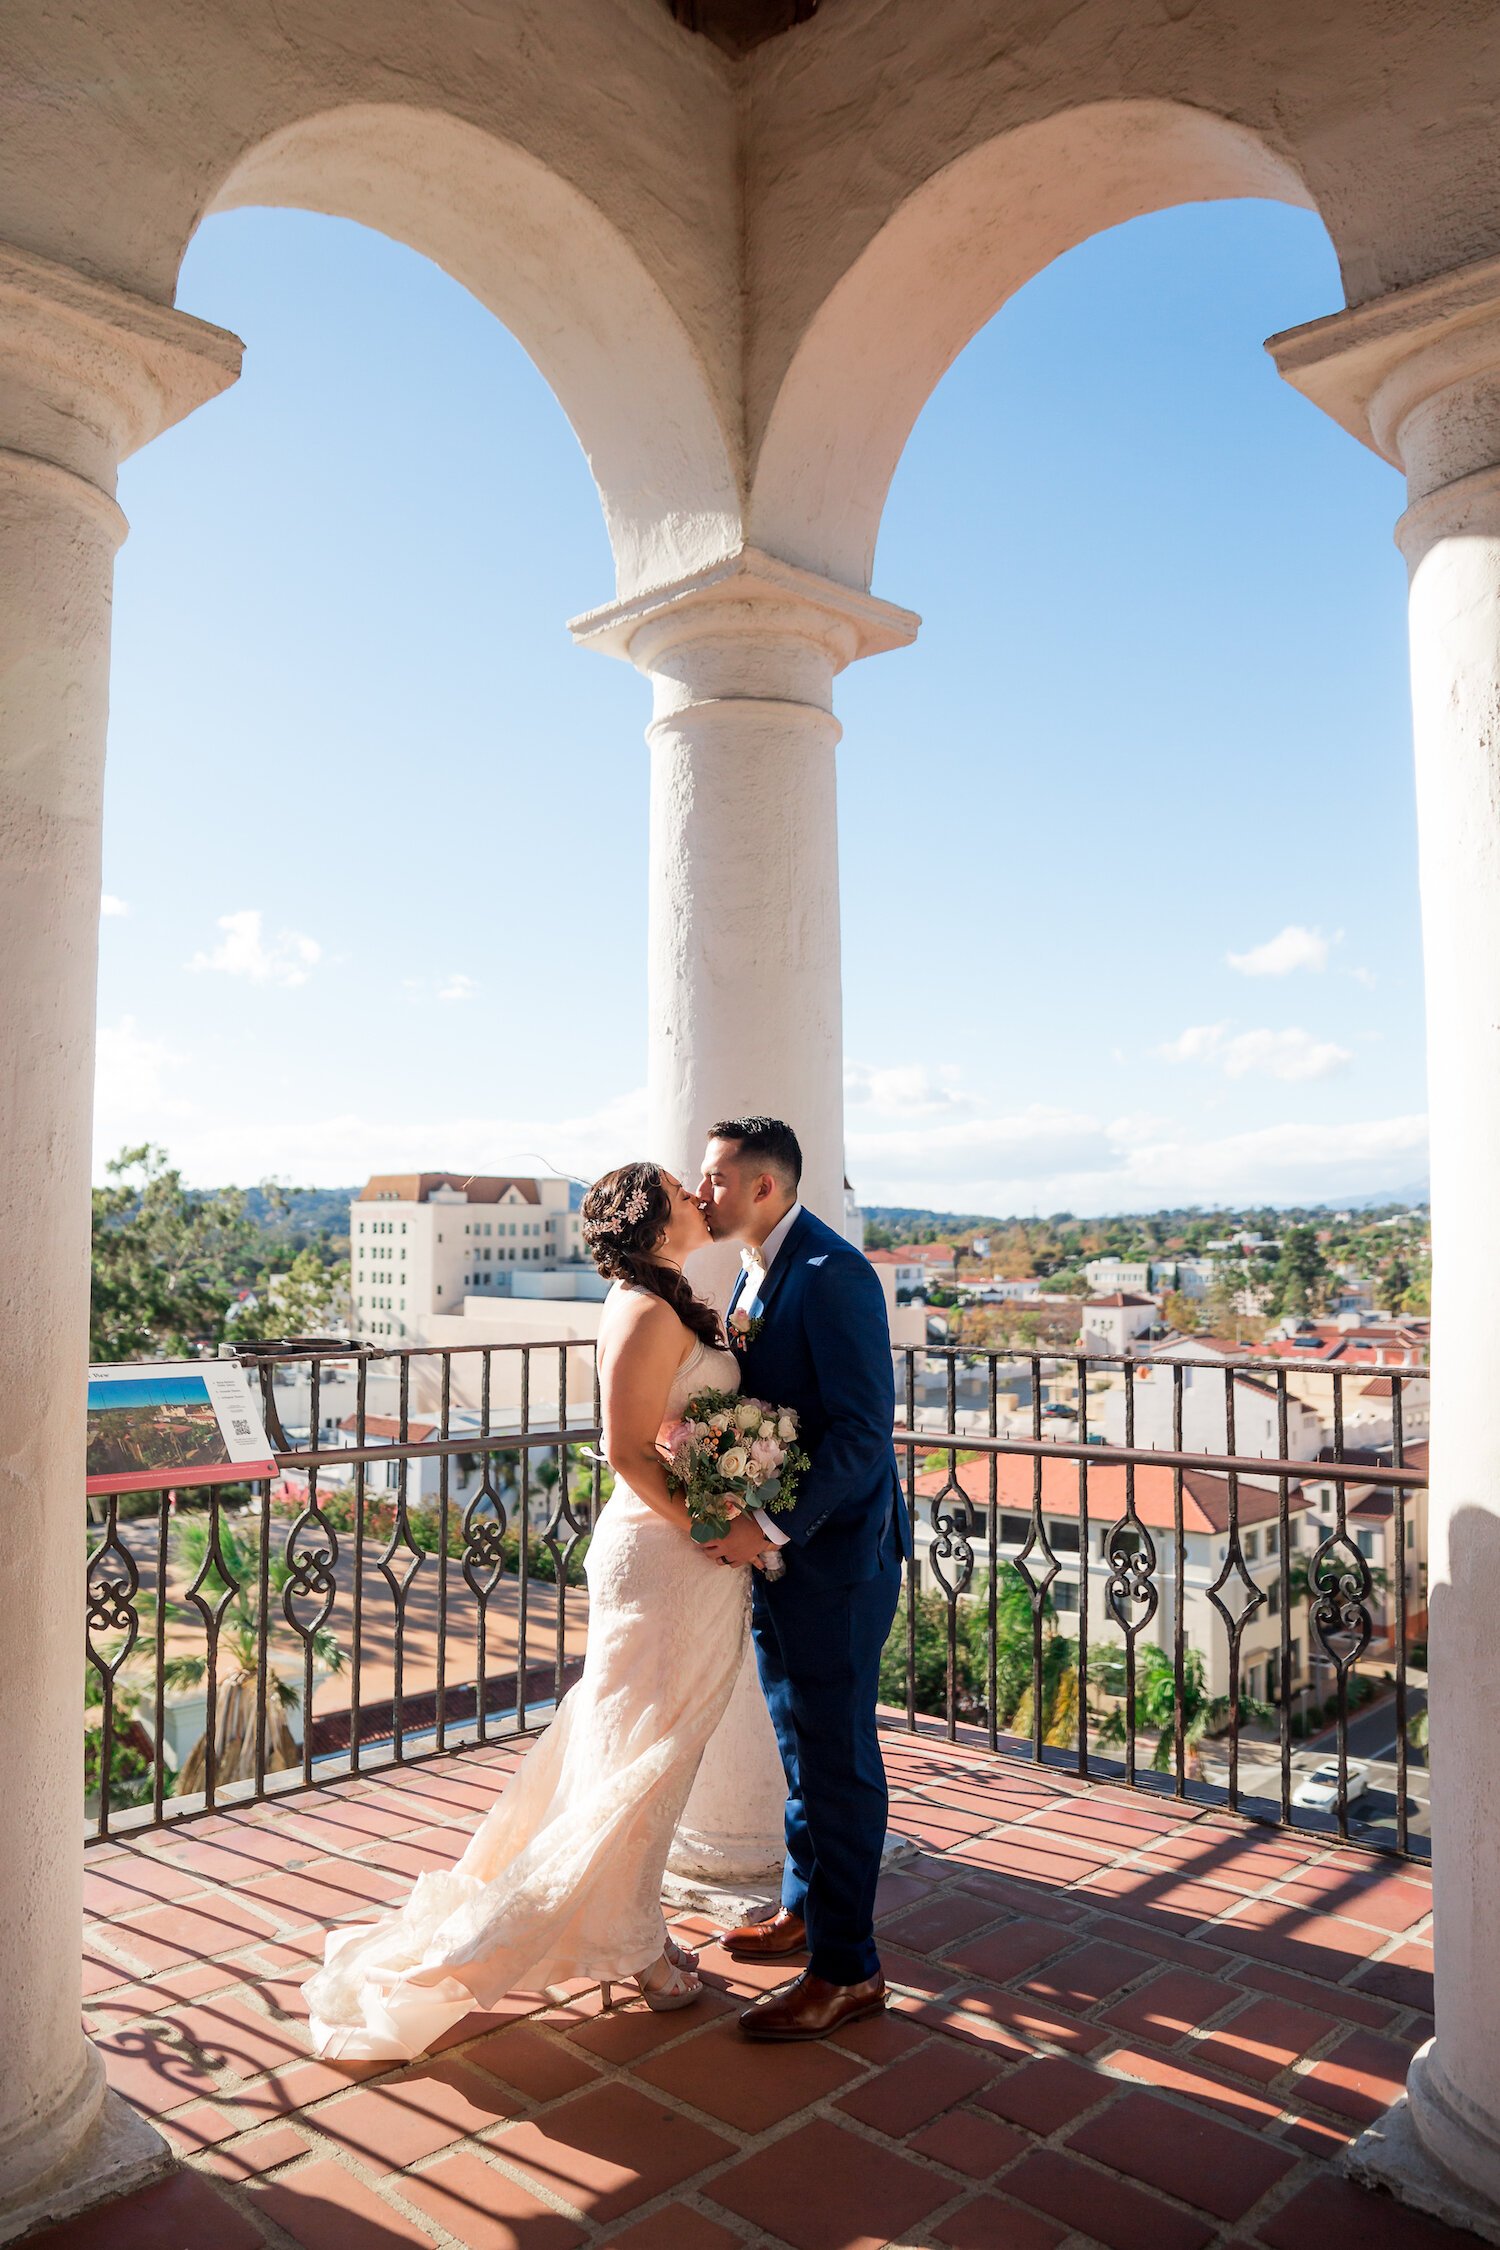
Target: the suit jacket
pixel 823 1347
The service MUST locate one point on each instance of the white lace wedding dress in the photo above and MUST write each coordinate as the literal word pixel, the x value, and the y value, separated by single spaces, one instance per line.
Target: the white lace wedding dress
pixel 563 1878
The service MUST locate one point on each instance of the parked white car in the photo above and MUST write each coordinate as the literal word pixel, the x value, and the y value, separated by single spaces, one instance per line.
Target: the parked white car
pixel 1318 1791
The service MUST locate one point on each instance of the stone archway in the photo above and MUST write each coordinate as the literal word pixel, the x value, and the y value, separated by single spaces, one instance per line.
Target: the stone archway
pixel 545 260
pixel 942 265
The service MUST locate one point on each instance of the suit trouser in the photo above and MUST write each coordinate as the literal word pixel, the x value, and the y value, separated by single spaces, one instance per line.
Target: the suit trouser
pixel 818 1649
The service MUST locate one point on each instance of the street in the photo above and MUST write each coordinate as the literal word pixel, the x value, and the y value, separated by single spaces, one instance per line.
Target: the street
pixel 1372 1743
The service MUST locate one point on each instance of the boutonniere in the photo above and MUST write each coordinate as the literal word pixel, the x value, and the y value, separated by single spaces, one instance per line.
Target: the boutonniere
pixel 744 1327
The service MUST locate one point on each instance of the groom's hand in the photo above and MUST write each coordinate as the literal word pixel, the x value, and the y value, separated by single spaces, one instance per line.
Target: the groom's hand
pixel 741 1543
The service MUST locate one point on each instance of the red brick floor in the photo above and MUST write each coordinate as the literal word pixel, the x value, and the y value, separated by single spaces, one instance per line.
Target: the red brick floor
pixel 1117 2021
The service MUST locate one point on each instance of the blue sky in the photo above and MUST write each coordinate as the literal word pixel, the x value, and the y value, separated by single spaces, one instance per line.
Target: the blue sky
pixel 1129 870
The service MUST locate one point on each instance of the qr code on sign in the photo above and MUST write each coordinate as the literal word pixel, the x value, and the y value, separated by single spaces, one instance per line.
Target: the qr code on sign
pixel 241 1429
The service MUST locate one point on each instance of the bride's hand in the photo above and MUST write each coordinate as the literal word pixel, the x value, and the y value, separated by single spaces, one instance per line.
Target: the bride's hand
pixel 742 1543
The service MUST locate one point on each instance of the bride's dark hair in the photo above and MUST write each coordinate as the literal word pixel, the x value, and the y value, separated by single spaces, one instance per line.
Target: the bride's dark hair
pixel 625 1216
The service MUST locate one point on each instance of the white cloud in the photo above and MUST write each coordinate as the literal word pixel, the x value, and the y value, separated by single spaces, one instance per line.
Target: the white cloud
pixel 1292 1055
pixel 111 907
pixel 238 1141
pixel 905 1089
pixel 1195 1044
pixel 457 987
pixel 136 1091
pixel 1366 977
pixel 1055 1160
pixel 244 952
pixel 1292 948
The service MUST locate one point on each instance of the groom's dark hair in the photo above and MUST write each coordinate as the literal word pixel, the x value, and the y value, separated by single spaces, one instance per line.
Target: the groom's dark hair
pixel 765 1140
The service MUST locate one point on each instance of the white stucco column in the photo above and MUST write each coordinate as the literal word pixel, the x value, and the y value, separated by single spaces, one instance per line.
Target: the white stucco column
pixel 1417 375
pixel 86 374
pixel 744 991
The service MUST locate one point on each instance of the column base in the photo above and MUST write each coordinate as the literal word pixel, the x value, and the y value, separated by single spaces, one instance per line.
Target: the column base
pixel 1396 2153
pixel 119 2153
pixel 751 1898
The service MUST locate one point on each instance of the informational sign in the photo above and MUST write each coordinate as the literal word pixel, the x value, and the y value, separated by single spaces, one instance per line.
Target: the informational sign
pixel 171 1422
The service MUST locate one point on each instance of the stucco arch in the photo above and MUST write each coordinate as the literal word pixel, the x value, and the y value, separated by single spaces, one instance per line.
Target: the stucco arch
pixel 943 264
pixel 548 263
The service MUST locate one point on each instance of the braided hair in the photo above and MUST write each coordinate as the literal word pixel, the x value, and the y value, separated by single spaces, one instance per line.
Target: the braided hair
pixel 625 1216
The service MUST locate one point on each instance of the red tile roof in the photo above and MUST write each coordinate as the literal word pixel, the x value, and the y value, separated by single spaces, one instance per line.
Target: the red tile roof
pixel 1205 1498
pixel 417 1187
pixel 1120 1297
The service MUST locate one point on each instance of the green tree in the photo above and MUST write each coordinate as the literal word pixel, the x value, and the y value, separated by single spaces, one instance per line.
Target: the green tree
pixel 129 1770
pixel 167 1263
pixel 1013 1658
pixel 1300 1275
pixel 1180 1312
pixel 307 1299
pixel 1156 1702
pixel 1394 1283
pixel 239 1653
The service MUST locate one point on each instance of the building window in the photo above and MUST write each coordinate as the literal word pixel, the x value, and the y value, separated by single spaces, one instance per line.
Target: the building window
pixel 1365 1541
pixel 1252 1545
pixel 1411 1535
pixel 1064 1597
pixel 1273 1601
pixel 1064 1537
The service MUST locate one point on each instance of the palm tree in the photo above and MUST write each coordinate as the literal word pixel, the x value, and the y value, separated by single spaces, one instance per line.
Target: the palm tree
pixel 1015 1644
pixel 1156 1702
pixel 239 1656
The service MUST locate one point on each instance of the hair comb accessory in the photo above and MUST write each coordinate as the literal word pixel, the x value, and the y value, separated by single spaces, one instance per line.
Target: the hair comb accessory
pixel 635 1207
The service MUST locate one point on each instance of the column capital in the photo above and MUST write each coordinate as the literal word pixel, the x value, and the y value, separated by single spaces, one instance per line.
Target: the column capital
pixel 89 372
pixel 1415 375
pixel 748 595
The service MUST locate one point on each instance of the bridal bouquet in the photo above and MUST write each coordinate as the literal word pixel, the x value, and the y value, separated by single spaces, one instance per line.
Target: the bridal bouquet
pixel 728 1454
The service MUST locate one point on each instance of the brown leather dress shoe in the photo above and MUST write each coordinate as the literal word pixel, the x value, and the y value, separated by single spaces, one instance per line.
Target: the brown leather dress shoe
pixel 812 2008
pixel 766 1941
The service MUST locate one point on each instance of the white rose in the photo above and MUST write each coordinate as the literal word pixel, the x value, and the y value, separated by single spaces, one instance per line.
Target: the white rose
pixel 747 1417
pixel 732 1463
pixel 786 1428
pixel 719 1421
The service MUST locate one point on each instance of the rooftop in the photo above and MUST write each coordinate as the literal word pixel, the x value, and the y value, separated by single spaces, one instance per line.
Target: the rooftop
pixel 1205 1497
pixel 1117 2021
pixel 418 1187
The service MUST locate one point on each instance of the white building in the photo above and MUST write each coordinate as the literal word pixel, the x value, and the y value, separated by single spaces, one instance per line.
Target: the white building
pixel 1111 1324
pixel 1106 1277
pixel 1190 1277
pixel 906 1270
pixel 1204 1418
pixel 420 1242
pixel 1205 1522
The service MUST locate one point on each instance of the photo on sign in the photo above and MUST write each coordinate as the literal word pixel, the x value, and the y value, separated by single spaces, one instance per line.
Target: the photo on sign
pixel 175 1423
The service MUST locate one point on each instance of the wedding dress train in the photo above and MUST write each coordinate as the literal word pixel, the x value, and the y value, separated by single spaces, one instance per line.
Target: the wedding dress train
pixel 563 1877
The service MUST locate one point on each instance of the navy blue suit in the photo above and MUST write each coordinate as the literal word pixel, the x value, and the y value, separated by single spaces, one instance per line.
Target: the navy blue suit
pixel 823 1347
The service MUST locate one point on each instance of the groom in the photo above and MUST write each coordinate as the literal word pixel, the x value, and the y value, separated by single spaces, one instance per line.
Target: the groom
pixel 808 1319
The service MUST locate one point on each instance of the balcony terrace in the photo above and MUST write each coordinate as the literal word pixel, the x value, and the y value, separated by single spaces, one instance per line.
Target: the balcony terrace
pixel 1132 2005
pixel 1141 2023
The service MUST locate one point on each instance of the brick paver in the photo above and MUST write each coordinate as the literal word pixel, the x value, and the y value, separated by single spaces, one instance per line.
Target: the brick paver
pixel 1133 2024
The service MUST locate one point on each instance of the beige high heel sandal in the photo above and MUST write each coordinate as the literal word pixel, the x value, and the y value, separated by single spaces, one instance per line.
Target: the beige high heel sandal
pixel 679 1988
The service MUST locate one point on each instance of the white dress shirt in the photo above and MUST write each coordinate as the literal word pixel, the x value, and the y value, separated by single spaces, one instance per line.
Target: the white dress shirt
pixel 757 1263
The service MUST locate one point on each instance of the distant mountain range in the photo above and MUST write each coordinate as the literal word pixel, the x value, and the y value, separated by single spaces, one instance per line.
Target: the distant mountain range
pixel 901 1216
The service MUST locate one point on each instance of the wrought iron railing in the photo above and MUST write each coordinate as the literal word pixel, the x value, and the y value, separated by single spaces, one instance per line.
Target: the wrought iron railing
pixel 337 1549
pixel 410 1582
pixel 973 1547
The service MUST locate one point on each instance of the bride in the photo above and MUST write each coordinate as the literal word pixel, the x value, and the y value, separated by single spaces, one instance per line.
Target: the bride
pixel 563 1877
